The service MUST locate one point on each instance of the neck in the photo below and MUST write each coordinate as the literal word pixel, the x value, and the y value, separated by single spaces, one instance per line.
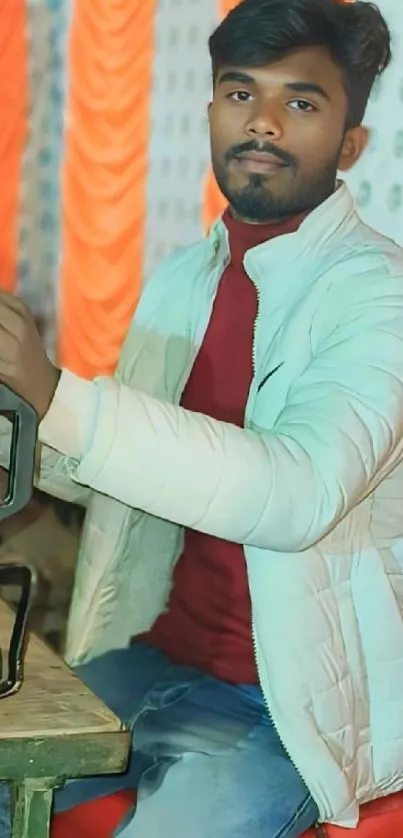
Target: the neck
pixel 265 223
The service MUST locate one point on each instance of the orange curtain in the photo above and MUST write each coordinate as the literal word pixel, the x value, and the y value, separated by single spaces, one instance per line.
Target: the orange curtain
pixel 214 202
pixel 104 179
pixel 14 126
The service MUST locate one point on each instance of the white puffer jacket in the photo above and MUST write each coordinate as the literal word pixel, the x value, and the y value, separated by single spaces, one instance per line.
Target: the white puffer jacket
pixel 313 486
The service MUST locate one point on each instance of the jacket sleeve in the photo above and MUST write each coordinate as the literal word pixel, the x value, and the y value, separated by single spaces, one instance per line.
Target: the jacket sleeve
pixel 339 434
pixel 54 478
pixel 53 474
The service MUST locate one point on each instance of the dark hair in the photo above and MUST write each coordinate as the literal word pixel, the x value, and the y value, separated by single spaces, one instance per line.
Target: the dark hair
pixel 257 32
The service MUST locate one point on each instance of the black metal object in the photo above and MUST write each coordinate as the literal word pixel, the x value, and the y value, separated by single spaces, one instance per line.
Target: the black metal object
pixel 21 470
pixel 21 576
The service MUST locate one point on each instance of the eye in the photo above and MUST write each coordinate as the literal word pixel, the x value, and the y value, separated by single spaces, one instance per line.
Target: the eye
pixel 302 105
pixel 239 96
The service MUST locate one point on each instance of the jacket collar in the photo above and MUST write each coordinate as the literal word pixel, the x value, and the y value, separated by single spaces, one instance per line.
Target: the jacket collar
pixel 335 216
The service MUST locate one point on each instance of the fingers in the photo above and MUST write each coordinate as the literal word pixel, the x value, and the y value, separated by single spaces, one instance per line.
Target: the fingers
pixel 11 322
pixel 12 315
pixel 12 302
pixel 12 326
pixel 7 364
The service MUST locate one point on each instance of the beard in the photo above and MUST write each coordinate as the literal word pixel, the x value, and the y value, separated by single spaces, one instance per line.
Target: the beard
pixel 257 203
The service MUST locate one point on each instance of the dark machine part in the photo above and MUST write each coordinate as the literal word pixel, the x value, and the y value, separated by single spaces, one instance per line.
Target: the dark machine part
pixel 24 422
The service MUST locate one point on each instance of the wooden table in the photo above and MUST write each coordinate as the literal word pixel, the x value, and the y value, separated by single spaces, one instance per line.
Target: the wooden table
pixel 53 729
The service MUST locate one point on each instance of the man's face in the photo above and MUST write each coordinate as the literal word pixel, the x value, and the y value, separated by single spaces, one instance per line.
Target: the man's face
pixel 278 135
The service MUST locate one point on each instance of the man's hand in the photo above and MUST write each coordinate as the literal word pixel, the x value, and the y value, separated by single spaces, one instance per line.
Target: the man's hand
pixel 24 365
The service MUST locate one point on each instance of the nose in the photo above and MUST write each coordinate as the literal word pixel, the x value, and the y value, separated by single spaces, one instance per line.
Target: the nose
pixel 265 122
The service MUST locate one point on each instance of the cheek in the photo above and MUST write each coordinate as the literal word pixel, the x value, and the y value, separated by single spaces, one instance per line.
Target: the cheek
pixel 226 128
pixel 326 137
pixel 311 132
pixel 312 148
pixel 217 140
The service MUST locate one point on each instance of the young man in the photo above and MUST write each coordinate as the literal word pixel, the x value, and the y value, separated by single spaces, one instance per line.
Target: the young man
pixel 243 550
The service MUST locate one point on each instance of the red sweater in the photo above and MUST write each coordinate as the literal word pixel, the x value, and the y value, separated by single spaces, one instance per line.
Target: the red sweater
pixel 208 622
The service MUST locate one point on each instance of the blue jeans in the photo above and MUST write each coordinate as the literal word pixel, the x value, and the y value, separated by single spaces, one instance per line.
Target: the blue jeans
pixel 207 760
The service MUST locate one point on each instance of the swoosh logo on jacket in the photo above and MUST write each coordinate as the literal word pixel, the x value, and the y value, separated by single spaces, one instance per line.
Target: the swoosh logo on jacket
pixel 269 375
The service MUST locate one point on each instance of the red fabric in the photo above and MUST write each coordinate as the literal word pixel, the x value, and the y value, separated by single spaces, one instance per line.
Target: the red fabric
pixel 380 819
pixel 97 819
pixel 208 624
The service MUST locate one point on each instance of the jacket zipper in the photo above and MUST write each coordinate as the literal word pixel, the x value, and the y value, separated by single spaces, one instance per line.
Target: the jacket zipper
pixel 320 828
pixel 254 365
pixel 266 701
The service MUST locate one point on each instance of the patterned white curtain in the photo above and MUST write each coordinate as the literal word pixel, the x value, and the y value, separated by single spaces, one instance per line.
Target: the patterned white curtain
pixel 179 150
pixel 39 227
pixel 377 180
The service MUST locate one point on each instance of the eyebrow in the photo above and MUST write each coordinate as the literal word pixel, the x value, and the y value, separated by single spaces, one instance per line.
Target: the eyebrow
pixel 308 87
pixel 294 87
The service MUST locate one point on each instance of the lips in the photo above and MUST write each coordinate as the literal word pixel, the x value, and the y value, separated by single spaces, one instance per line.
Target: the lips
pixel 259 161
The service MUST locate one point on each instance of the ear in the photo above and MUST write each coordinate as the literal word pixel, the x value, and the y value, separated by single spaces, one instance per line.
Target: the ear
pixel 354 145
pixel 209 106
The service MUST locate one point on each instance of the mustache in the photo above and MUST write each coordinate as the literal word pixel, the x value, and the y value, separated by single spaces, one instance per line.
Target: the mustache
pixel 266 147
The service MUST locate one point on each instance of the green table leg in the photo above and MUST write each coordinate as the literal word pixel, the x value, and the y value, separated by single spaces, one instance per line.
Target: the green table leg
pixel 32 808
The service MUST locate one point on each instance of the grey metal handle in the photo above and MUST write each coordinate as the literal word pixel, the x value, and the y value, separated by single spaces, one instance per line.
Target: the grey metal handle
pixel 22 452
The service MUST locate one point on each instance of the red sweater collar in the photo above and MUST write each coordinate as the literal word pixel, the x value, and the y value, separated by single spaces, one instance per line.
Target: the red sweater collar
pixel 243 236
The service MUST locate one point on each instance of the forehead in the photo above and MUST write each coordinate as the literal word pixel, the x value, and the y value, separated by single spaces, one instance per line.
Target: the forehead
pixel 311 65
